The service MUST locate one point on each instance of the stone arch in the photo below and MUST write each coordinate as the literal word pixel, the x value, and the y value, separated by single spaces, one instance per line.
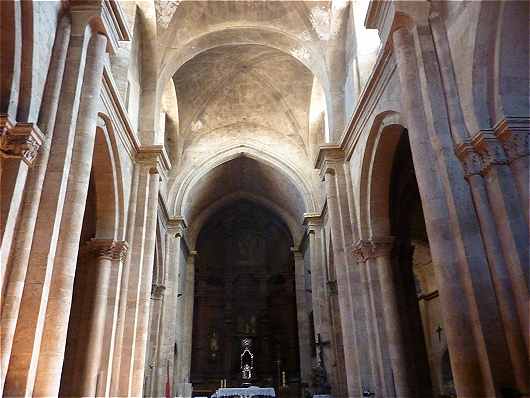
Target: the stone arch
pixel 178 194
pixel 500 74
pixel 294 226
pixel 109 185
pixel 149 100
pixel 376 173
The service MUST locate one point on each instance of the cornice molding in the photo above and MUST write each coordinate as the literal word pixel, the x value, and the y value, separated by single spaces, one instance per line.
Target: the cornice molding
pixel 105 17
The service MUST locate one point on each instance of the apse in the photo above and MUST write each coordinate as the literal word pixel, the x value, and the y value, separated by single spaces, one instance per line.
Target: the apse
pixel 245 298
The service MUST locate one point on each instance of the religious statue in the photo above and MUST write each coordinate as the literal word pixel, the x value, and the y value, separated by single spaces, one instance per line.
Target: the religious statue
pixel 213 345
pixel 247 361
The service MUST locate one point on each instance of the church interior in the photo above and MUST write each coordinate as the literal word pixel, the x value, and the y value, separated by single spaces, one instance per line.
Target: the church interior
pixel 264 198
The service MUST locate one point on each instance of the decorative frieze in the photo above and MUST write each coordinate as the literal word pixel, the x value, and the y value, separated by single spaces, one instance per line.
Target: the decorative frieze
pixel 20 140
pixel 109 249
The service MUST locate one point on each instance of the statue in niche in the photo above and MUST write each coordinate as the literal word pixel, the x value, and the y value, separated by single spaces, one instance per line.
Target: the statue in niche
pixel 213 344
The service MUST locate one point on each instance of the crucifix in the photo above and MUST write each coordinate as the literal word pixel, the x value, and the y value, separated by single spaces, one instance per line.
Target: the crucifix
pixel 439 333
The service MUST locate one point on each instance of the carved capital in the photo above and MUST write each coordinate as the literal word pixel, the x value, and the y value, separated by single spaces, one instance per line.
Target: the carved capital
pixel 470 158
pixel 109 249
pixel 513 134
pixel 364 250
pixel 490 149
pixel 176 226
pixel 157 291
pixel 21 140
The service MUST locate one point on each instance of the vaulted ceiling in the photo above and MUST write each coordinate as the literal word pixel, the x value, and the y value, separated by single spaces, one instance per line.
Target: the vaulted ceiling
pixel 245 86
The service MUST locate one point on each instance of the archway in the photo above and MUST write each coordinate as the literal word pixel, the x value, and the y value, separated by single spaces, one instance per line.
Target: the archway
pixel 245 289
pixel 392 221
pixel 87 365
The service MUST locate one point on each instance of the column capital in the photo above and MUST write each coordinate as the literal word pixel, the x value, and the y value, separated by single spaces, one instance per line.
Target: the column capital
pixel 104 16
pixel 155 157
pixel 312 221
pixel 330 157
pixel 364 250
pixel 490 149
pixel 19 140
pixel 176 226
pixel 157 291
pixel 513 133
pixel 470 159
pixel 109 249
pixel 389 16
pixel 297 253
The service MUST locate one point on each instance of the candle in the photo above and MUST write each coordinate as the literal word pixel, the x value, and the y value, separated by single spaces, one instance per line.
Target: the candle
pixel 283 378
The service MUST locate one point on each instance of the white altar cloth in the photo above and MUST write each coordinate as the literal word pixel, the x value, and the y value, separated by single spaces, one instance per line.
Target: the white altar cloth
pixel 246 392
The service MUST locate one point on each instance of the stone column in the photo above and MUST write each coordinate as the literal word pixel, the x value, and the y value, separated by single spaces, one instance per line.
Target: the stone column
pixel 379 354
pixel 20 243
pixel 61 290
pixel 512 297
pixel 144 294
pixel 381 248
pixel 304 331
pixel 19 145
pixel 165 355
pixel 468 299
pixel 134 308
pixel 320 297
pixel 344 294
pixel 119 253
pixel 108 252
pixel 189 292
pixel 51 228
pixel 121 319
pixel 158 297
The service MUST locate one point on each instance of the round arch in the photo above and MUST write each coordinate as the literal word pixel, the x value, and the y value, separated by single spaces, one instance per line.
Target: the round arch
pixel 108 180
pixel 376 173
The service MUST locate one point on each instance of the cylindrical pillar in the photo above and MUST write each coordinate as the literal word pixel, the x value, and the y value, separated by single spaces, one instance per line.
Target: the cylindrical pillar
pixel 20 246
pixel 465 360
pixel 344 295
pixel 188 320
pixel 61 289
pixel 102 269
pixel 50 224
pixel 304 331
pixel 144 297
pixel 394 332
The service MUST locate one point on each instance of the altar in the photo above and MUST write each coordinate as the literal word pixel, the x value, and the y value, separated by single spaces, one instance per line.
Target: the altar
pixel 245 392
